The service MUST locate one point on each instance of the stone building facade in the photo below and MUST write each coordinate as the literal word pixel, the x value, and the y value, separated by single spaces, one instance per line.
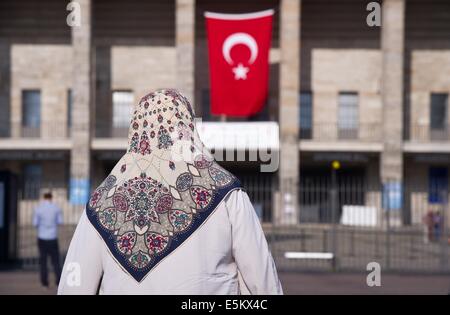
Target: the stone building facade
pixel 393 81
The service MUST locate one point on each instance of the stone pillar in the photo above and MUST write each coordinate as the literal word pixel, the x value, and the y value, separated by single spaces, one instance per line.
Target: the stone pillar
pixel 185 42
pixel 392 46
pixel 287 213
pixel 80 162
pixel 5 88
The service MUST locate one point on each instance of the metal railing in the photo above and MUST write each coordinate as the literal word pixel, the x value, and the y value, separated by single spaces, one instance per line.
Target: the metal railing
pixel 349 220
pixel 333 131
pixel 354 222
pixel 28 198
pixel 45 130
pixel 108 130
pixel 427 134
pixel 261 190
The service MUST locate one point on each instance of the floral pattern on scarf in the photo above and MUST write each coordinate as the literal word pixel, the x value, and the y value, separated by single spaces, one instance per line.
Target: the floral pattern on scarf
pixel 141 219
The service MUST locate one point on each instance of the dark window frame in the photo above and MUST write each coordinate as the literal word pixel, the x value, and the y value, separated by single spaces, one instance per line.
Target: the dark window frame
pixel 348 128
pixel 437 184
pixel 31 187
pixel 438 111
pixel 306 114
pixel 30 128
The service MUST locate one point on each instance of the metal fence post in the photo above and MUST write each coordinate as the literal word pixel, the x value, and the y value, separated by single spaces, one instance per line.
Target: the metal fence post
pixel 388 228
pixel 444 238
pixel 334 218
pixel 276 205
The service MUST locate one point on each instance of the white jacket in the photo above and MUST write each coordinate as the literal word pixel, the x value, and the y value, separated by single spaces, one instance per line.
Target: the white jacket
pixel 229 247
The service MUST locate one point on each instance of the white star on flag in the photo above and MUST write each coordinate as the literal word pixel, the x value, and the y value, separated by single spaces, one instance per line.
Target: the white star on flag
pixel 240 72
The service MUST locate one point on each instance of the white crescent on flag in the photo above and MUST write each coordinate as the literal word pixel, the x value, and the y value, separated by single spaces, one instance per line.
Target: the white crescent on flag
pixel 239 38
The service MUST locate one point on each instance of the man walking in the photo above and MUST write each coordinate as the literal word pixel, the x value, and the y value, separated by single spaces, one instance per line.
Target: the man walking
pixel 46 218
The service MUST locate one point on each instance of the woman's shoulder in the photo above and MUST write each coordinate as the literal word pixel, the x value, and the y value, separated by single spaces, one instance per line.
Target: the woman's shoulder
pixel 237 199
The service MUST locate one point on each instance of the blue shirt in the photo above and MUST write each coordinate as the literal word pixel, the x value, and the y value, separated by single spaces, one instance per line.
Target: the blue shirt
pixel 46 218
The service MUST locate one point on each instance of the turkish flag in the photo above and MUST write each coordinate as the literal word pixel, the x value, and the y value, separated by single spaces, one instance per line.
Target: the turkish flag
pixel 238 47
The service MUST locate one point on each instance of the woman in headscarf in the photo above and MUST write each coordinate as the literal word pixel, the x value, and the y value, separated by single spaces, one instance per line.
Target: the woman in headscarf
pixel 168 219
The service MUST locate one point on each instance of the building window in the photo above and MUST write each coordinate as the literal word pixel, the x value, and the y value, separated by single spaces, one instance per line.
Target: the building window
pixel 438 116
pixel 437 184
pixel 348 117
pixel 122 108
pixel 32 178
pixel 31 113
pixel 305 115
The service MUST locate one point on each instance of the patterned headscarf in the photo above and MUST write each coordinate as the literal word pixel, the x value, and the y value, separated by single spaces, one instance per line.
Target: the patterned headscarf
pixel 162 190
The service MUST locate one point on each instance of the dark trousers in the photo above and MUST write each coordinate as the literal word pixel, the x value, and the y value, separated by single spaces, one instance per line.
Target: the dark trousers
pixel 49 248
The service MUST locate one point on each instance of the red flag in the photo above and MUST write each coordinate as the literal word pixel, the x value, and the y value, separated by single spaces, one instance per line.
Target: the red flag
pixel 238 61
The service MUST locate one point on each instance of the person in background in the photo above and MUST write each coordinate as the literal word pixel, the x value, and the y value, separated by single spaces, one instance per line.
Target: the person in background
pixel 428 220
pixel 437 225
pixel 46 218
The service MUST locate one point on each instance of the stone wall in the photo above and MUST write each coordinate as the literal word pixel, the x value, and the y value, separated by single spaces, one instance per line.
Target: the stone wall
pixel 429 74
pixel 142 69
pixel 346 70
pixel 47 68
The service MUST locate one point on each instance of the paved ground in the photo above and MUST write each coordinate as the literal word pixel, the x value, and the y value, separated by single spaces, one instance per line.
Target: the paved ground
pixel 403 250
pixel 354 283
pixel 26 282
